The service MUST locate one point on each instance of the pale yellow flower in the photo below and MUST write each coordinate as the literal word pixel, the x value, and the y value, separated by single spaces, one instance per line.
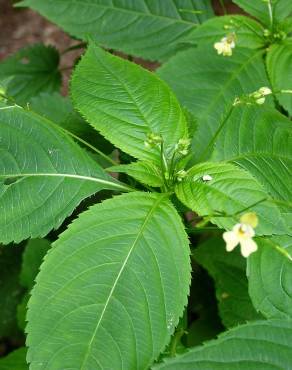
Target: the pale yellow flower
pixel 225 46
pixel 242 233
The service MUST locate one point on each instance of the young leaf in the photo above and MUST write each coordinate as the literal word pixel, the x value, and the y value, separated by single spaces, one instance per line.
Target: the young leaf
pixel 125 103
pixel 30 71
pixel 125 282
pixel 10 289
pixel 264 9
pixel 207 84
pixel 231 191
pixel 248 32
pixel 149 29
pixel 270 276
pixel 261 345
pixel 259 140
pixel 44 175
pixel 15 360
pixel 145 172
pixel 32 257
pixel 279 59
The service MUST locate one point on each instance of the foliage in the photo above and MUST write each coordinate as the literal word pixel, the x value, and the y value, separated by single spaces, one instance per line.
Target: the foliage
pixel 201 152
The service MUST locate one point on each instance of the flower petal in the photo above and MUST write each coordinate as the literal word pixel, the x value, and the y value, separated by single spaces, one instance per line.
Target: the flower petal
pixel 247 247
pixel 231 240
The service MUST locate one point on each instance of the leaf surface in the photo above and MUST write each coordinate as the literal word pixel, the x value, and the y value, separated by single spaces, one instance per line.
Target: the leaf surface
pixel 262 345
pixel 229 194
pixel 123 270
pixel 30 71
pixel 149 29
pixel 15 360
pixel 270 276
pixel 279 61
pixel 207 84
pixel 259 140
pixel 126 103
pixel 44 175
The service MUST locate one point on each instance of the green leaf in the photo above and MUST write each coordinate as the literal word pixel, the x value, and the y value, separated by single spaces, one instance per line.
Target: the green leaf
pixel 260 140
pixel 10 290
pixel 279 60
pixel 32 257
pixel 207 84
pixel 125 282
pixel 260 9
pixel 145 172
pixel 270 276
pixel 261 345
pixel 149 29
pixel 44 175
pixel 59 109
pixel 125 103
pixel 15 360
pixel 228 272
pixel 30 71
pixel 249 33
pixel 230 192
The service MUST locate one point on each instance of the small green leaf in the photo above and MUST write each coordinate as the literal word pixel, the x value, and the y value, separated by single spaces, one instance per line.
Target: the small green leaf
pixel 32 257
pixel 229 193
pixel 207 84
pixel 279 60
pixel 261 345
pixel 270 276
pixel 149 29
pixel 125 282
pixel 14 361
pixel 228 272
pixel 248 32
pixel 31 71
pixel 125 103
pixel 145 172
pixel 44 175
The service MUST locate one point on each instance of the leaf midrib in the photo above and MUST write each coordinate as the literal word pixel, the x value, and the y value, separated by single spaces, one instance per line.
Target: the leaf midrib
pixel 139 234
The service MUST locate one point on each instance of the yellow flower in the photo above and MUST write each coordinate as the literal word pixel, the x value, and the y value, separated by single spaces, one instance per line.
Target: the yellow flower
pixel 225 46
pixel 242 233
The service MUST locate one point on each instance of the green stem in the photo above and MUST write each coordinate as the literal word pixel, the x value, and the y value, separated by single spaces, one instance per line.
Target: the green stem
pixel 74 47
pixel 223 6
pixel 212 141
pixel 175 340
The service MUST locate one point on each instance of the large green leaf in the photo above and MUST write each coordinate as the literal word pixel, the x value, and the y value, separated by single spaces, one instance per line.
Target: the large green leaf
pixel 260 140
pixel 279 61
pixel 30 71
pixel 10 289
pixel 262 345
pixel 207 84
pixel 228 272
pixel 248 32
pixel 230 192
pixel 43 175
pixel 14 361
pixel 112 289
pixel 149 29
pixel 260 9
pixel 125 103
pixel 270 276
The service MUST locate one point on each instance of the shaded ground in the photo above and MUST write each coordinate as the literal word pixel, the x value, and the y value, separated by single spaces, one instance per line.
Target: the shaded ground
pixel 22 27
